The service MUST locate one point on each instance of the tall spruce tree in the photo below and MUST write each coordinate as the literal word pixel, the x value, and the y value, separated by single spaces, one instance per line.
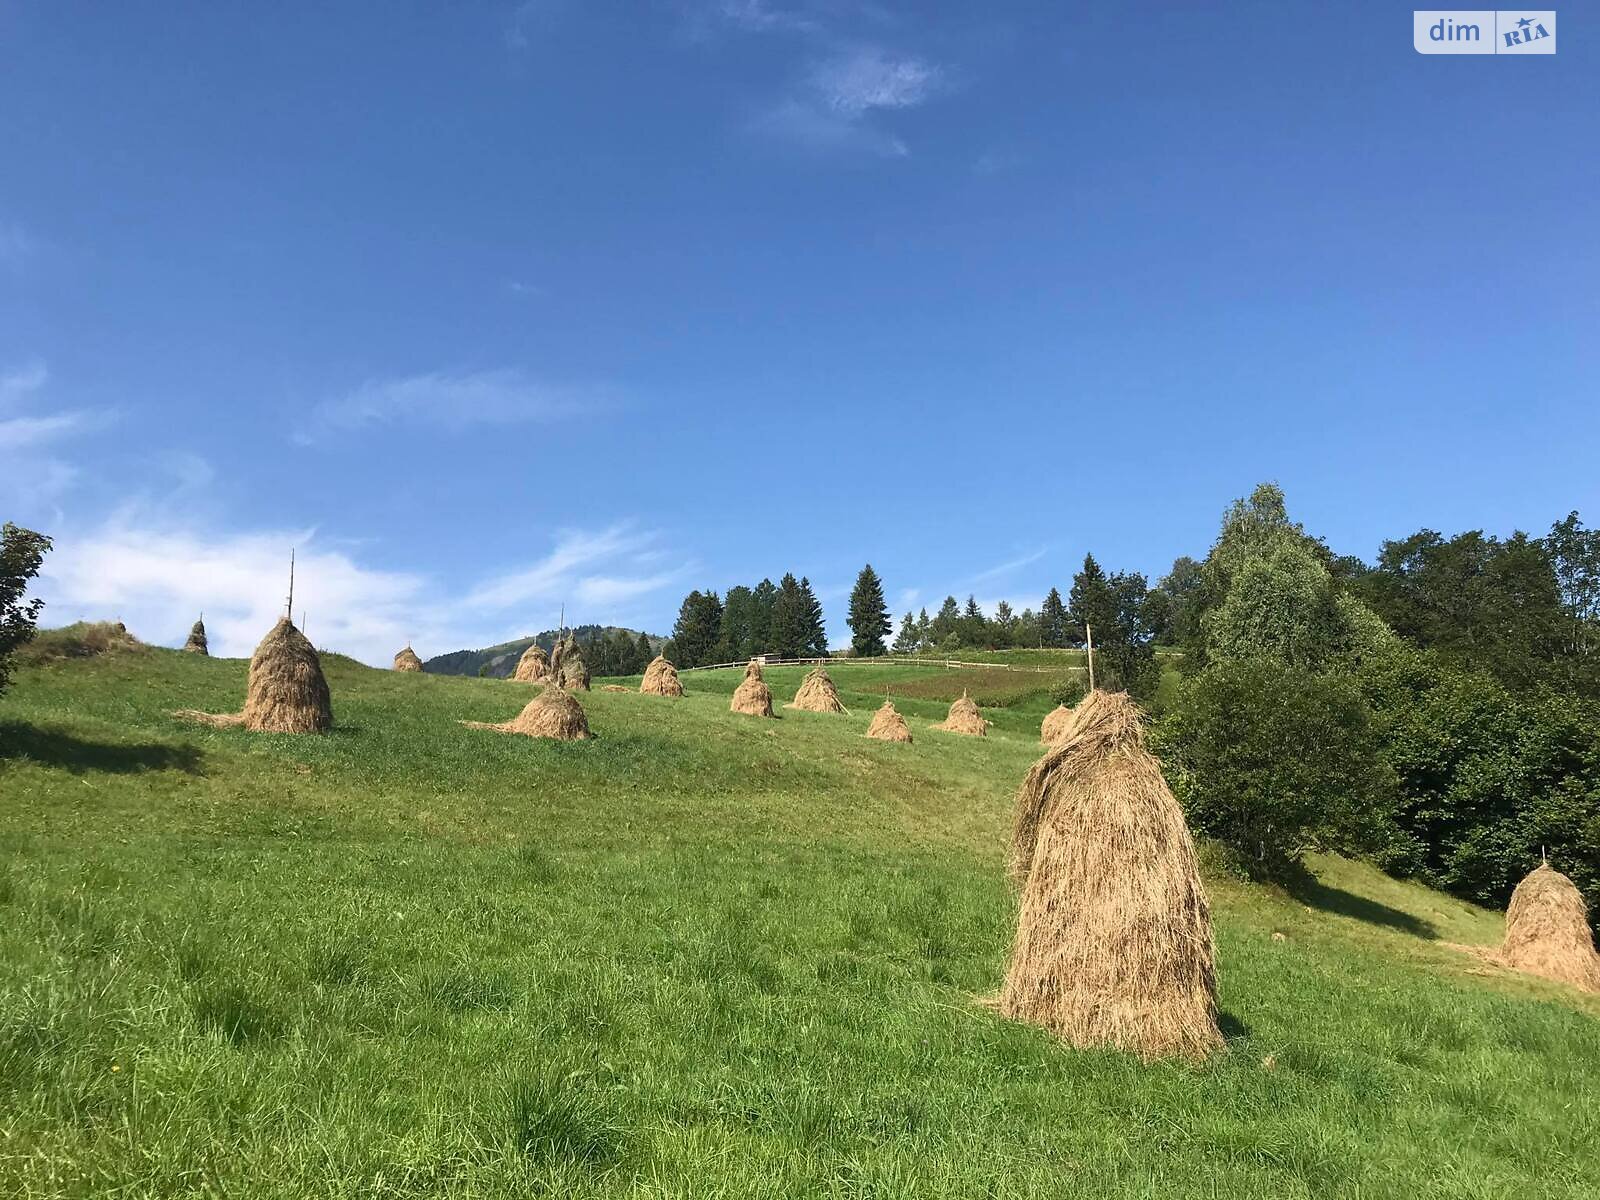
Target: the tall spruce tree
pixel 813 629
pixel 1053 628
pixel 699 625
pixel 1091 598
pixel 738 621
pixel 947 623
pixel 788 620
pixel 905 641
pixel 869 615
pixel 763 597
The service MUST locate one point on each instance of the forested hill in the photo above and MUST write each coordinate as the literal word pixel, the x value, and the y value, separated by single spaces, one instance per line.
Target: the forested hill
pixel 501 660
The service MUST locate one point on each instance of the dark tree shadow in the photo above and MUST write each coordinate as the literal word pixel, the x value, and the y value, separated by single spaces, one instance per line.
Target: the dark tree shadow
pixel 52 748
pixel 1308 889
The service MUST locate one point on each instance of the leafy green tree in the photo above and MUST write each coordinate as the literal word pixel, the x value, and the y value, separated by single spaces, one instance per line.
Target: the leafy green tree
pixel 869 615
pixel 22 552
pixel 697 630
pixel 1027 631
pixel 1053 621
pixel 1173 608
pixel 813 628
pixel 1480 602
pixel 1275 762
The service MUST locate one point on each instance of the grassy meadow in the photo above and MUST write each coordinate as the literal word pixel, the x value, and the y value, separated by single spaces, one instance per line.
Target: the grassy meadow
pixel 700 956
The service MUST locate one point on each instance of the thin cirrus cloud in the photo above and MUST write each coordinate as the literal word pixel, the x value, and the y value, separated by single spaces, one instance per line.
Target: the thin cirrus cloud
pixel 451 400
pixel 32 477
pixel 835 107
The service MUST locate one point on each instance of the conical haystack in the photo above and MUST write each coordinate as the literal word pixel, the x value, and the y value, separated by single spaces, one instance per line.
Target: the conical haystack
pixel 533 666
pixel 553 713
pixel 752 696
pixel 964 717
pixel 407 660
pixel 888 725
pixel 1114 943
pixel 197 640
pixel 1056 725
pixel 1547 931
pixel 567 668
pixel 661 679
pixel 286 692
pixel 817 694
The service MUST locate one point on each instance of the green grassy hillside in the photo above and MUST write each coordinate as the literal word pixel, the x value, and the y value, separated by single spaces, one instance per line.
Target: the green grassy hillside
pixel 702 955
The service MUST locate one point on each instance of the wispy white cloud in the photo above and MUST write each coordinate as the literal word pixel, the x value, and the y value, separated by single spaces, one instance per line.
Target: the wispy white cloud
pixel 33 479
pixel 1010 565
pixel 758 16
pixel 833 109
pixel 867 78
pixel 19 432
pixel 17 382
pixel 448 400
pixel 142 568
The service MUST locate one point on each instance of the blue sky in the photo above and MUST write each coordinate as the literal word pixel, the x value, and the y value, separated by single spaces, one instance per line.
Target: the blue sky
pixel 489 308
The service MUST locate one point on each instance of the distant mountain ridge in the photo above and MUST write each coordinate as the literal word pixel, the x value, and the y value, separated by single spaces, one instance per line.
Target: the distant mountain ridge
pixel 501 660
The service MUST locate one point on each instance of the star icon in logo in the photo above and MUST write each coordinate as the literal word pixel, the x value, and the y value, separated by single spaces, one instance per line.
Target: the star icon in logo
pixel 1525 22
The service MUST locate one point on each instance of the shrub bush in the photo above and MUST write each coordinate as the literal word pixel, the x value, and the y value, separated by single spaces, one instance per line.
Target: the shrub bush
pixel 1274 762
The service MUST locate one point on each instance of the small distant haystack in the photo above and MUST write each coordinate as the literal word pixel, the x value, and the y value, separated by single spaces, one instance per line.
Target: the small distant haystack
pixel 1056 725
pixel 817 694
pixel 553 713
pixel 752 696
pixel 197 640
pixel 407 660
pixel 1114 943
pixel 964 717
pixel 533 666
pixel 615 687
pixel 1547 931
pixel 286 693
pixel 888 725
pixel 661 679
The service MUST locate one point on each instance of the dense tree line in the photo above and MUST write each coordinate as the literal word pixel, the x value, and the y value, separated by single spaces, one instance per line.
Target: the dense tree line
pixel 616 653
pixel 782 620
pixel 1436 710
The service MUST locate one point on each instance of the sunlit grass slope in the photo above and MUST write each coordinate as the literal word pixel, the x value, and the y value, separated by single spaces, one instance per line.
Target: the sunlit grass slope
pixel 702 955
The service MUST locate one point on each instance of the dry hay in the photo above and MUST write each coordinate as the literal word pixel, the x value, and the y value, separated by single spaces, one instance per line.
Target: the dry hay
pixel 1114 944
pixel 752 697
pixel 407 660
pixel 1547 932
pixel 287 692
pixel 817 694
pixel 553 713
pixel 1057 724
pixel 533 666
pixel 888 725
pixel 661 679
pixel 964 717
pixel 615 687
pixel 197 640
pixel 567 668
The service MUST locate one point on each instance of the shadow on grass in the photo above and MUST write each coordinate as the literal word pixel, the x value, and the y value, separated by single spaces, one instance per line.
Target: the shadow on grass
pixel 1309 890
pixel 1233 1029
pixel 51 748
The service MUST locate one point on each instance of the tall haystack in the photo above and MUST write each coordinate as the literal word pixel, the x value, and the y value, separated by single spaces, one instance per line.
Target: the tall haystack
pixel 567 668
pixel 533 666
pixel 817 694
pixel 964 717
pixel 752 696
pixel 661 679
pixel 1056 725
pixel 286 692
pixel 197 639
pixel 1547 931
pixel 1114 944
pixel 553 713
pixel 888 725
pixel 407 660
